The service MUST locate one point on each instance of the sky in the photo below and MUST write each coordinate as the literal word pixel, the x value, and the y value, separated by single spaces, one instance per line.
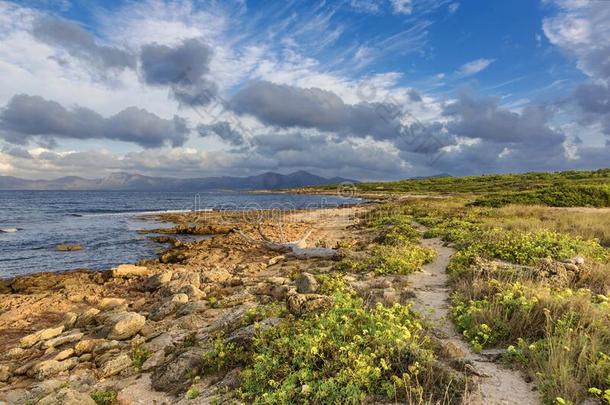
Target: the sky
pixel 363 89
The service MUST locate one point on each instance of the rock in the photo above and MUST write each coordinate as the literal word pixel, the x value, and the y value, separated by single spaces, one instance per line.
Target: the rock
pixel 49 368
pixel 87 345
pixel 67 396
pixel 69 320
pixel 231 380
pixel 192 307
pixel 5 373
pixel 180 298
pixel 306 283
pixel 172 376
pixel 68 247
pixel 106 346
pixel 123 325
pixel 156 281
pixel 452 350
pixel 303 304
pixel 85 357
pixel 242 337
pixel 160 342
pixel 387 297
pixel 87 318
pixel 130 271
pixel 275 260
pixel 216 276
pixel 31 340
pixel 164 310
pixel 63 339
pixel 230 319
pixel 578 260
pixel 115 365
pixel 112 303
pixel 153 361
pixel 64 354
pixel 192 292
pixel 172 256
pixel 15 353
pixel 141 393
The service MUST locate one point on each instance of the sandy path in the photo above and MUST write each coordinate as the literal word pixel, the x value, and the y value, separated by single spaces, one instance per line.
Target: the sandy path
pixel 496 384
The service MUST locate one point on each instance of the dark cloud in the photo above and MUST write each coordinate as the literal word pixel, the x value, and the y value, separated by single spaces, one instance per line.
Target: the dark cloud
pixel 224 131
pixel 32 117
pixel 183 68
pixel 17 152
pixel 484 119
pixel 288 106
pixel 414 95
pixel 80 43
pixel 594 100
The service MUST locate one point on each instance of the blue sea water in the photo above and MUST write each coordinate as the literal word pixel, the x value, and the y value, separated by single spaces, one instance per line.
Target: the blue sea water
pixel 106 224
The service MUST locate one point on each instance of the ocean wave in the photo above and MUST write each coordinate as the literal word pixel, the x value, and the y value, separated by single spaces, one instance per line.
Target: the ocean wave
pixel 10 230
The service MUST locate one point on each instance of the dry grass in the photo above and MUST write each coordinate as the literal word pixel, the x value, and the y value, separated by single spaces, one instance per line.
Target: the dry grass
pixel 588 223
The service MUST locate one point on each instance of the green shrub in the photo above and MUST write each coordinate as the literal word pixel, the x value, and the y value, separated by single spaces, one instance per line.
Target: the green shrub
pixel 344 356
pixel 104 397
pixel 403 259
pixel 139 355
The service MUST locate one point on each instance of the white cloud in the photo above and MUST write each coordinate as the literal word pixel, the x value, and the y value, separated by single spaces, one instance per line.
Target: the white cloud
pixel 402 6
pixel 474 67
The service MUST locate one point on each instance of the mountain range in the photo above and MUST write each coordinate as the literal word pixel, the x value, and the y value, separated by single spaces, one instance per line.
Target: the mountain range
pixel 136 182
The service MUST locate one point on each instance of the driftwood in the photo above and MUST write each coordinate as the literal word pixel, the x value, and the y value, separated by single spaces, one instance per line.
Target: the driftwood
pixel 297 248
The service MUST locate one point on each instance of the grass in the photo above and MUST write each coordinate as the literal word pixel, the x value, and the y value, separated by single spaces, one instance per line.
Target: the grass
pixel 559 189
pixel 512 290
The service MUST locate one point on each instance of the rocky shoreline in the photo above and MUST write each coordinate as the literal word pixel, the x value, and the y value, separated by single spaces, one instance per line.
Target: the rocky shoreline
pixel 135 332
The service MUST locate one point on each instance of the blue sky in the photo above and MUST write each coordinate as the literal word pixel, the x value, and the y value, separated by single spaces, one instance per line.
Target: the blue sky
pixel 195 88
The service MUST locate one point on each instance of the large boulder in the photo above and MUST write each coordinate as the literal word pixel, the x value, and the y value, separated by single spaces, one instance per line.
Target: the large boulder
pixel 121 325
pixel 130 271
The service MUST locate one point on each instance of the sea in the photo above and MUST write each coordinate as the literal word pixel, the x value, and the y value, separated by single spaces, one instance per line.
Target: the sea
pixel 112 227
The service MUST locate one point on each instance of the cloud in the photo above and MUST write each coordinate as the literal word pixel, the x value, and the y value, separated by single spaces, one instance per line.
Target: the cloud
pixel 26 118
pixel 288 107
pixel 582 29
pixel 182 68
pixel 474 67
pixel 224 131
pixel 453 7
pixel 482 118
pixel 81 44
pixel 402 6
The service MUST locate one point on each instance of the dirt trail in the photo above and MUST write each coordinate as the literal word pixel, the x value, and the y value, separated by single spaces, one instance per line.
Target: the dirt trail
pixel 496 384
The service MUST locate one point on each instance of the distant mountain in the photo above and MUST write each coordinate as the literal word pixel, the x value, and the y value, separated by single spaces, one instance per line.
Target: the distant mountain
pixel 137 182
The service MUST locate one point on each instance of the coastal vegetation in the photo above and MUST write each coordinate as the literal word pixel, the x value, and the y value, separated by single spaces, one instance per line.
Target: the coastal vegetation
pixel 521 288
pixel 526 282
